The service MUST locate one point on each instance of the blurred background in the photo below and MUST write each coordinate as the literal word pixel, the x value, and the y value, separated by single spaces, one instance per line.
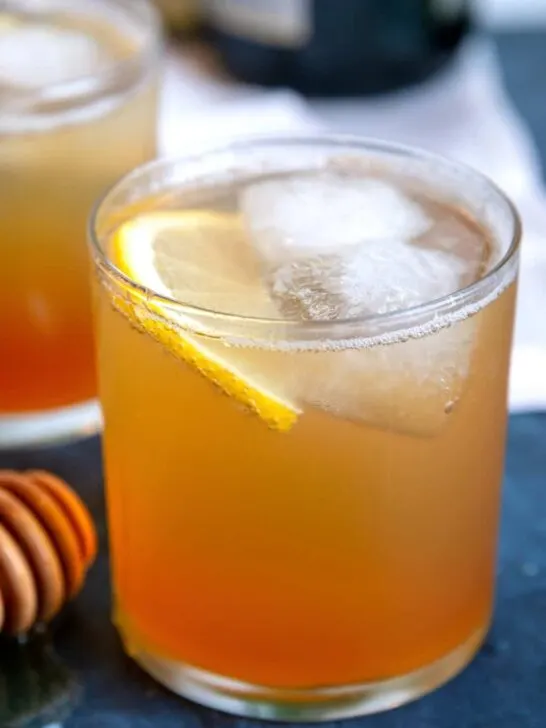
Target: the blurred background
pixel 463 78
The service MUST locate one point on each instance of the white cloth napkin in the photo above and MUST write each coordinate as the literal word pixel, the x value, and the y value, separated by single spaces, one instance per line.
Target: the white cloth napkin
pixel 463 113
pixel 200 108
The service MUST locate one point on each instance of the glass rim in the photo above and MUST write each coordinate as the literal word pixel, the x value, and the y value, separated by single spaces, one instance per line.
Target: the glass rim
pixel 75 91
pixel 442 306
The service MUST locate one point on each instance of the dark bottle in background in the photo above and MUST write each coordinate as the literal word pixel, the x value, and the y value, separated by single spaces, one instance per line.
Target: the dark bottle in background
pixel 336 47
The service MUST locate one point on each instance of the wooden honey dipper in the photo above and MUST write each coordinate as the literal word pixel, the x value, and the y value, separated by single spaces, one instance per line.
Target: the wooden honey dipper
pixel 47 543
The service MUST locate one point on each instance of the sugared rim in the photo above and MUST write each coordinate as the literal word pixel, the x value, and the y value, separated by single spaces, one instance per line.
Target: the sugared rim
pixel 76 91
pixel 396 320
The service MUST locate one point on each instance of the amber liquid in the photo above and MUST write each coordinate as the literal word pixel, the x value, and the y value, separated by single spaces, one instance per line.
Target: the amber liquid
pixel 49 180
pixel 336 553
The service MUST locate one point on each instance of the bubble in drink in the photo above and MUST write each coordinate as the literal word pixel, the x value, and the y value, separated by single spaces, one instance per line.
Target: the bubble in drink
pixel 64 55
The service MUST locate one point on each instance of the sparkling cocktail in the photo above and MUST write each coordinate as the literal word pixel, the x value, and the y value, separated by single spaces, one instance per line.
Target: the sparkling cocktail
pixel 303 352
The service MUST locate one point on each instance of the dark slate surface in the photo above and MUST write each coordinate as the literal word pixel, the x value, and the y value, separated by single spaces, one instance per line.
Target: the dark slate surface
pixel 79 677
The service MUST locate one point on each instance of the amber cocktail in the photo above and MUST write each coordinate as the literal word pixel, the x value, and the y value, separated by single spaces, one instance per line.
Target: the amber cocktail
pixel 78 84
pixel 304 351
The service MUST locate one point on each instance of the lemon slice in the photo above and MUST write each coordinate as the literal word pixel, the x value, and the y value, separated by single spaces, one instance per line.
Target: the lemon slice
pixel 203 258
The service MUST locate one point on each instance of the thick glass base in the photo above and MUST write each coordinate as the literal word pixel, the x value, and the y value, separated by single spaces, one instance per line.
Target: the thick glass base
pixel 51 427
pixel 312 704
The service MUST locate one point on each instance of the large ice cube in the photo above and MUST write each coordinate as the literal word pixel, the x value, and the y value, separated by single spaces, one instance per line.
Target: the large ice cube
pixel 454 233
pixel 334 248
pixel 411 387
pixel 32 56
pixel 307 216
pixel 375 277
